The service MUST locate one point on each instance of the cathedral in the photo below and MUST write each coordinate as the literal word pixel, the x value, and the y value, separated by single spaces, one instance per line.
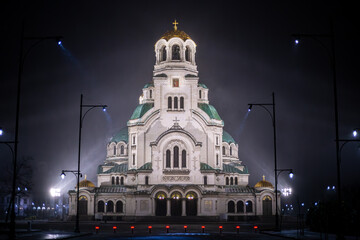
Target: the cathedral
pixel 173 158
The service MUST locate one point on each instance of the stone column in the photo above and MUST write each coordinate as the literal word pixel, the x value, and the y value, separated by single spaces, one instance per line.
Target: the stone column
pixel 168 205
pixel 183 202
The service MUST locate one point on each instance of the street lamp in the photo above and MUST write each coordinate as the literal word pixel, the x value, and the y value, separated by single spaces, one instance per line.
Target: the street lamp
pixel 272 115
pixel 331 55
pixel 356 132
pixel 20 72
pixel 82 116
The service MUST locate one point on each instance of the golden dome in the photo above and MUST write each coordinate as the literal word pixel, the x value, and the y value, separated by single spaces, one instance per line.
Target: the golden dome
pixel 264 184
pixel 86 183
pixel 175 33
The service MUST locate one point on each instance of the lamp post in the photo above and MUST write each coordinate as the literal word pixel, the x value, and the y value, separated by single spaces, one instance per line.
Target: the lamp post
pixel 273 120
pixel 20 73
pixel 272 115
pixel 331 55
pixel 355 134
pixel 82 116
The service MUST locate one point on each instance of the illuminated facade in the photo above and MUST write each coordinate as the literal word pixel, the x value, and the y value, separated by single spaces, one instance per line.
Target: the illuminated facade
pixel 173 158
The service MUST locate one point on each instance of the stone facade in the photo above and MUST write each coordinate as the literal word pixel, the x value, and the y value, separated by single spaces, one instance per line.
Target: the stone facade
pixel 173 158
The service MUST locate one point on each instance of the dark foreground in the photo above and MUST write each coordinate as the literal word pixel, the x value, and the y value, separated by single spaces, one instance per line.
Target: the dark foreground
pixel 123 230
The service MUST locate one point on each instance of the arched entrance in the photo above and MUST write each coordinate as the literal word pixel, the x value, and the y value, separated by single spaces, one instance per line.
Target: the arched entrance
pixel 267 206
pixel 176 206
pixel 83 204
pixel 160 204
pixel 191 204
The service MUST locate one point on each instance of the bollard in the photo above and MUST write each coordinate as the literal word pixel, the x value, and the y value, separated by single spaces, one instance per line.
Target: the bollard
pixel 203 229
pixel 150 227
pixel 132 229
pixel 97 229
pixel 29 226
pixel 220 229
pixel 167 228
pixel 185 228
pixel 237 229
pixel 114 229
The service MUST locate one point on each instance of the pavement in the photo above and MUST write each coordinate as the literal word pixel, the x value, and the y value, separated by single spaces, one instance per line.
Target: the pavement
pixel 63 230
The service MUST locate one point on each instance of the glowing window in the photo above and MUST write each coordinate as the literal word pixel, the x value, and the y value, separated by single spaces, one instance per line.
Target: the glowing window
pixel 176 195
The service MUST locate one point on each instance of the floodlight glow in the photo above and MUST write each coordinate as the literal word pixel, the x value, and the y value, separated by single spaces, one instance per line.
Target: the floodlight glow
pixel 63 175
pixel 55 192
pixel 297 41
pixel 302 204
pixel 1 132
pixel 286 192
pixel 328 188
pixel 249 109
pixel 59 42
pixel 291 174
pixel 333 187
pixel 104 109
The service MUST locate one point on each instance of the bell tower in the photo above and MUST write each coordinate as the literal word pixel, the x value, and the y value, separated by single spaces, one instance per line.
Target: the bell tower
pixel 175 51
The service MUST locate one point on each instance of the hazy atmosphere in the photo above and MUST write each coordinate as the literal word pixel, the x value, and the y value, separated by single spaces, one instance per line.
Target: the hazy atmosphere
pixel 245 52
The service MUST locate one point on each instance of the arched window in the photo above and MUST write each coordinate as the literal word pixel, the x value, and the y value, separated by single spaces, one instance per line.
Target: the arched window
pixel 150 93
pixel 146 180
pixel 230 151
pixel 163 54
pixel 175 102
pixel 227 180
pixel 223 150
pixel 236 181
pixel 114 150
pixel 249 207
pixel 122 181
pixel 205 180
pixel 112 180
pixel 231 207
pixel 169 103
pixel 133 159
pixel 187 54
pixel 176 157
pixel 109 206
pixel 175 52
pixel 183 159
pixel 122 149
pixel 100 206
pixel 168 154
pixel 217 159
pixel 117 180
pixel 231 181
pixel 199 93
pixel 181 102
pixel 119 207
pixel 240 207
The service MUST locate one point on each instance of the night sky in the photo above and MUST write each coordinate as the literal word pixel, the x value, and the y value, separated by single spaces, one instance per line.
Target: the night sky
pixel 244 52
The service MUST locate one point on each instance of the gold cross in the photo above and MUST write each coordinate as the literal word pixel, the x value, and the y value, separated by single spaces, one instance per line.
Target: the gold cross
pixel 175 23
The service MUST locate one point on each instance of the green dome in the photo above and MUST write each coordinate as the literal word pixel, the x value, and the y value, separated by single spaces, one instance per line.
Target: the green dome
pixel 210 110
pixel 202 85
pixel 141 109
pixel 122 135
pixel 226 137
pixel 148 85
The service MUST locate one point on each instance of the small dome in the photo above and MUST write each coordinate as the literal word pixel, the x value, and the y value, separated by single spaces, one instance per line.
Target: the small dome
pixel 264 184
pixel 122 135
pixel 175 33
pixel 86 183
